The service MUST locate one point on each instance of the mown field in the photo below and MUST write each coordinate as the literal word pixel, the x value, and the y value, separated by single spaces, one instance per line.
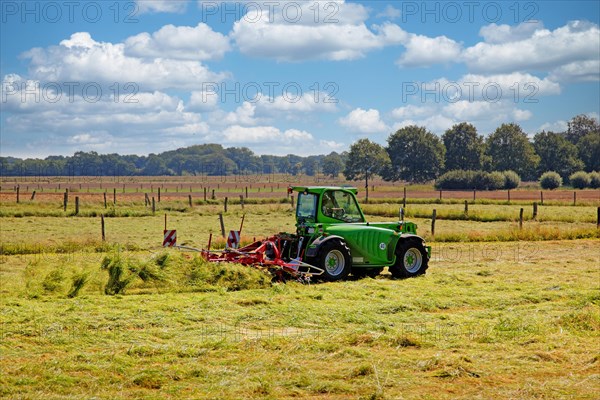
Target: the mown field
pixel 503 312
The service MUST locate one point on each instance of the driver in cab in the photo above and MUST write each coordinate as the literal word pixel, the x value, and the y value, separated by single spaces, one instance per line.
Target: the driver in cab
pixel 329 205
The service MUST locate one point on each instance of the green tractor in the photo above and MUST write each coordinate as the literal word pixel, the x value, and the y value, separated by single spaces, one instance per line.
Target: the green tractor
pixel 334 236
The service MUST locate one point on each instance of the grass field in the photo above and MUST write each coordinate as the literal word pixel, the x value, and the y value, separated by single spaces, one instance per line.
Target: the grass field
pixel 502 312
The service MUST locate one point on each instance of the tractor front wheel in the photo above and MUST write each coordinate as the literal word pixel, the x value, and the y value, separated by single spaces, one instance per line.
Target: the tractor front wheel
pixel 334 258
pixel 411 259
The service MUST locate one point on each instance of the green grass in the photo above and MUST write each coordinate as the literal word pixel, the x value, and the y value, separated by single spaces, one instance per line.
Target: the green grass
pixel 503 312
pixel 36 235
pixel 503 320
pixel 486 212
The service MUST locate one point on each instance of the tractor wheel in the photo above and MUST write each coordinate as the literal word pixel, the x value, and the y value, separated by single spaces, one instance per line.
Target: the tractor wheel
pixel 411 259
pixel 366 272
pixel 334 259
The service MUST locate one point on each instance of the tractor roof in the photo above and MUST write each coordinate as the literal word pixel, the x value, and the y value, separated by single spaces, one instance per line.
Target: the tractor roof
pixel 321 189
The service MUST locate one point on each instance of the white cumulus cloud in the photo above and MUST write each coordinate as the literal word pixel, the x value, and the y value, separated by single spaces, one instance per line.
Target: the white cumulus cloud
pixel 521 48
pixel 363 121
pixel 179 42
pixel 236 134
pixel 337 32
pixel 82 59
pixel 425 51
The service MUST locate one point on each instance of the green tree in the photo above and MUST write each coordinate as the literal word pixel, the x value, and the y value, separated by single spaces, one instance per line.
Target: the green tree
pixel 465 149
pixel 365 159
pixel 580 126
pixel 333 164
pixel 155 166
pixel 589 151
pixel 310 165
pixel 509 148
pixel 177 163
pixel 416 155
pixel 296 169
pixel 245 159
pixel 556 154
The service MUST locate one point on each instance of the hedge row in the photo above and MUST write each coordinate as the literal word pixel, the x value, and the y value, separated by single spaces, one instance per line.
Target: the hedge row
pixel 579 180
pixel 582 180
pixel 480 180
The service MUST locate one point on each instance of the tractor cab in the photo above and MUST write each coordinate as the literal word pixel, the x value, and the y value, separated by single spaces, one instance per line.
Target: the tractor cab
pixel 328 205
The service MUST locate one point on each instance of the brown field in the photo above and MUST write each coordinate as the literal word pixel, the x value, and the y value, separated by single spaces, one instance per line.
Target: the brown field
pixel 267 187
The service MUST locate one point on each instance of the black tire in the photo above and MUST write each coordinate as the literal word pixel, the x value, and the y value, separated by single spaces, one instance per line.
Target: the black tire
pixel 366 272
pixel 411 259
pixel 334 258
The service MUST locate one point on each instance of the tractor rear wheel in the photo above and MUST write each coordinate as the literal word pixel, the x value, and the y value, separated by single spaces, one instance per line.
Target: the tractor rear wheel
pixel 411 259
pixel 334 258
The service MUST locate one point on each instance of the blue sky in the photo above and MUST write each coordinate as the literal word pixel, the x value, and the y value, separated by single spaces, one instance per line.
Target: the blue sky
pixel 279 77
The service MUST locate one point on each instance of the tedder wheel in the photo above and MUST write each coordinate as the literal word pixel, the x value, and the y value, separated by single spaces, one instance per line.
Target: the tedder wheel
pixel 411 259
pixel 366 272
pixel 334 259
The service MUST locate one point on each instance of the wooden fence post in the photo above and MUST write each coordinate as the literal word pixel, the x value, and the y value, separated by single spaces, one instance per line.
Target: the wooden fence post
pixel 222 225
pixel 213 197
pixel 190 199
pixel 466 207
pixel 246 191
pixel 153 205
pixel 404 198
pixel 508 195
pixel 102 225
pixel 159 195
pixel 65 199
pixel 105 205
pixel 242 201
pixel 18 189
pixel 433 217
pixel 521 219
pixel 541 197
pixel 574 198
pixel 204 194
pixel 32 196
pixel 114 196
pixel 76 205
pixel 535 210
pixel 440 195
pixel 225 204
pixel 474 194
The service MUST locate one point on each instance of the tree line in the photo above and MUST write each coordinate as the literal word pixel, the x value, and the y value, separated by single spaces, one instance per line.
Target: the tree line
pixel 198 160
pixel 413 154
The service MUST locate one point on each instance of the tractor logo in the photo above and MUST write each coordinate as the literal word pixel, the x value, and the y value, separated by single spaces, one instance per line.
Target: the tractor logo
pixel 382 246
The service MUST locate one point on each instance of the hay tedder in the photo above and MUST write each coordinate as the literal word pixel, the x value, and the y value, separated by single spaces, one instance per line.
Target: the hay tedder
pixel 332 240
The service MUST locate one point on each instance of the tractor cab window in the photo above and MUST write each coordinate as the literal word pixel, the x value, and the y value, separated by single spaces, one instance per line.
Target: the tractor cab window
pixel 307 206
pixel 341 205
